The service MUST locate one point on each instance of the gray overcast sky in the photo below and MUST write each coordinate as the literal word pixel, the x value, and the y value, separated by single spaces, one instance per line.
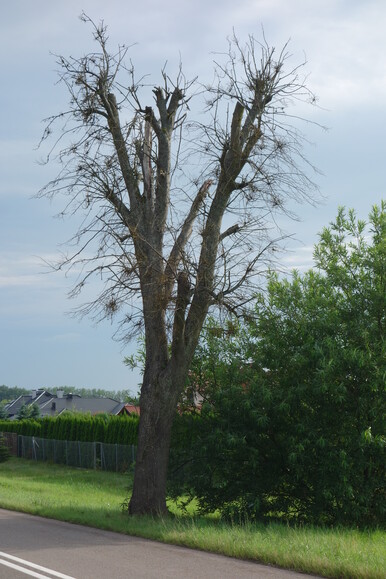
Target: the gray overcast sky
pixel 345 46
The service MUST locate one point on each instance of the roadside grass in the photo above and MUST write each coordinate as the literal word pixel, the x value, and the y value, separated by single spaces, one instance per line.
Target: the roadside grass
pixel 94 498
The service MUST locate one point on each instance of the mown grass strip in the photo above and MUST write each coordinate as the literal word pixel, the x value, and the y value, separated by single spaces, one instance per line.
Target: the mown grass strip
pixel 93 498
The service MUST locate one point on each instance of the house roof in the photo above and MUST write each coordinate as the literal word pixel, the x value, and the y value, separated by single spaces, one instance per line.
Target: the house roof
pixel 76 403
pixel 52 405
pixel 38 397
pixel 130 409
pixel 15 405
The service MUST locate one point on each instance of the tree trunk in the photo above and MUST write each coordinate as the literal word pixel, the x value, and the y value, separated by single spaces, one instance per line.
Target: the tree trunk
pixel 158 406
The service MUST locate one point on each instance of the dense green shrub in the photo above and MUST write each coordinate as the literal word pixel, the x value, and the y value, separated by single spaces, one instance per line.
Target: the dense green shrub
pixel 83 427
pixel 28 411
pixel 26 427
pixel 294 423
pixel 4 452
pixel 3 412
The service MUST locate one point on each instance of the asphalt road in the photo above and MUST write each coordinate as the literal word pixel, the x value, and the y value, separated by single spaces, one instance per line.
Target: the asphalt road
pixel 43 548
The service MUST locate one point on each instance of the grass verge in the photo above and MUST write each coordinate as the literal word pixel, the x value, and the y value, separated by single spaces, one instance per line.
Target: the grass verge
pixel 93 498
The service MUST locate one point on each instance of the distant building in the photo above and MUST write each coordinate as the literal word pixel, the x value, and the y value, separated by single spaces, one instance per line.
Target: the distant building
pixel 54 404
pixel 130 410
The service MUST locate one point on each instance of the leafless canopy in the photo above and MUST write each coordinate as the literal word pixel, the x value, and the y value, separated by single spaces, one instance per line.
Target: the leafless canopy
pixel 155 186
pixel 178 214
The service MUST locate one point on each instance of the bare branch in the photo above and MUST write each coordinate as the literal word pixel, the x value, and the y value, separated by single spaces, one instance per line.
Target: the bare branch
pixel 230 231
pixel 185 232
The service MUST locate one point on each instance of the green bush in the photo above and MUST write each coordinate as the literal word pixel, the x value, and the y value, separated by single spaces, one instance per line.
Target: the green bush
pixel 294 423
pixel 4 452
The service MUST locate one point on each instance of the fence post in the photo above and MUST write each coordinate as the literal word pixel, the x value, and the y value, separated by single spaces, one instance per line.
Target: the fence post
pixel 103 462
pixel 94 448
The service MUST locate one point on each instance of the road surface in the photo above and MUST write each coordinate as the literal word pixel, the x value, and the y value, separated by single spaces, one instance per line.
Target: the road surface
pixel 43 548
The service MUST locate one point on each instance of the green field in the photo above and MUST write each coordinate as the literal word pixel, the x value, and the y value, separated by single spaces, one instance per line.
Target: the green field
pixel 94 498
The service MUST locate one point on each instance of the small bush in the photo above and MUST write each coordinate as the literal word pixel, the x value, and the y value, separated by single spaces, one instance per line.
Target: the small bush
pixel 4 452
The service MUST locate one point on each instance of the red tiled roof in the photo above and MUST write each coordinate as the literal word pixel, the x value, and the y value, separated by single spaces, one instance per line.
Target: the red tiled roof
pixel 131 409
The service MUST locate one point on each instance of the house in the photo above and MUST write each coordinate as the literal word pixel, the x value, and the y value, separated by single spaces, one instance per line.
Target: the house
pixel 54 404
pixel 38 397
pixel 130 410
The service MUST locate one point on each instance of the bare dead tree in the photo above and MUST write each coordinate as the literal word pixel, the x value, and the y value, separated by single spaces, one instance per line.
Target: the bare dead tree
pixel 178 214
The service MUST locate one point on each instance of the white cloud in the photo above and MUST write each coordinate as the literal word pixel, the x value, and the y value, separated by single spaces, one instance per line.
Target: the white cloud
pixel 300 259
pixel 19 280
pixel 20 270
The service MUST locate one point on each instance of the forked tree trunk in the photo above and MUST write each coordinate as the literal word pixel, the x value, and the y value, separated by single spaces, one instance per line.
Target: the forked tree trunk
pixel 140 223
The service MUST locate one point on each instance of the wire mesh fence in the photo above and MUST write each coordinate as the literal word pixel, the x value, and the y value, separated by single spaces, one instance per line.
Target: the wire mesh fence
pixel 92 455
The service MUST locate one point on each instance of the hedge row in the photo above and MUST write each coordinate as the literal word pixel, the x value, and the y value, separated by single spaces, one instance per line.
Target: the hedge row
pixel 100 428
pixel 104 428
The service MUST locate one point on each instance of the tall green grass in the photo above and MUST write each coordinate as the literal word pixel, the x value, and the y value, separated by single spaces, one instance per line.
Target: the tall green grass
pixel 94 498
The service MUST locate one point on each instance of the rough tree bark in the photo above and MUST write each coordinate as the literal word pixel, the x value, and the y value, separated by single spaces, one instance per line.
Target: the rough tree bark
pixel 155 233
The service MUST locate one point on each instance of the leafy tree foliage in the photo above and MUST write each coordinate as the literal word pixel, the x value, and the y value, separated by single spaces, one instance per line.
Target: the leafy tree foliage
pixel 3 412
pixel 27 411
pixel 293 423
pixel 24 412
pixel 34 411
pixel 10 393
